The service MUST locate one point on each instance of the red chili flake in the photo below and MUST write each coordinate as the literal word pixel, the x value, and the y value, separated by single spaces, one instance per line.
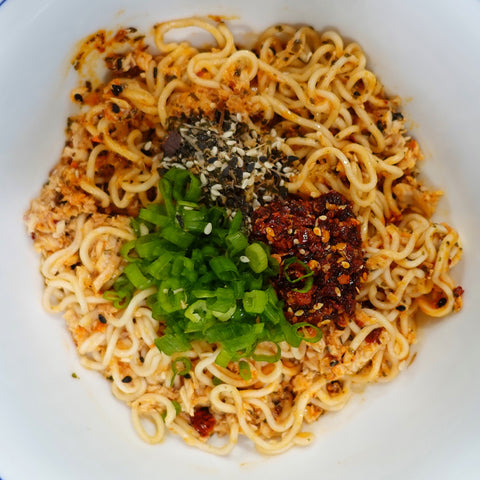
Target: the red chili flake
pixel 458 291
pixel 203 421
pixel 374 335
pixel 335 255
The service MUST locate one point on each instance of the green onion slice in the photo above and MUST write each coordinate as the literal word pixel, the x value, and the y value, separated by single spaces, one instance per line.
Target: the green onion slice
pixel 308 276
pixel 268 358
pixel 304 326
pixel 244 370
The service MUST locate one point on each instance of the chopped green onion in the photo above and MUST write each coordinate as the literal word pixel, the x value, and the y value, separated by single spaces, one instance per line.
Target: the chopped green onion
pixel 197 311
pixel 236 242
pixel 135 275
pixel 308 276
pixel 255 301
pixel 224 268
pixel 186 365
pixel 307 326
pixel 172 343
pixel 244 370
pixel 257 256
pixel 268 358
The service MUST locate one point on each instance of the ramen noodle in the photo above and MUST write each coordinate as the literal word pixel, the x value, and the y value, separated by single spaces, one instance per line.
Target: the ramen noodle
pixel 295 121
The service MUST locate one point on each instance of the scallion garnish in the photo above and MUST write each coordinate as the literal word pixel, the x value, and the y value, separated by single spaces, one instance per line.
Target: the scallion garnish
pixel 244 370
pixel 307 276
pixel 211 283
pixel 184 369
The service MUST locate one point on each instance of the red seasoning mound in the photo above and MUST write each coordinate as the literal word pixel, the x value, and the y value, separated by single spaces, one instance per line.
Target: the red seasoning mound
pixel 315 239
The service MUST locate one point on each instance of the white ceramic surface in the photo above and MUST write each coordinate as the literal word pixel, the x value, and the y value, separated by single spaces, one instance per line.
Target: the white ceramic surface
pixel 425 425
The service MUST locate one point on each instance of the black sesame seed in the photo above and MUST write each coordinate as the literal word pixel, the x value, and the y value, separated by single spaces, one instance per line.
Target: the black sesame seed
pixel 115 108
pixel 127 379
pixel 101 318
pixel 333 363
pixel 442 302
pixel 380 125
pixel 249 167
pixel 401 308
pixel 117 90
pixel 180 220
pixel 239 173
pixel 78 97
pixel 397 116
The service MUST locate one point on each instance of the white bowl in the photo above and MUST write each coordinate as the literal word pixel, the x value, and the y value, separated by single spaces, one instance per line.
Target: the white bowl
pixel 424 425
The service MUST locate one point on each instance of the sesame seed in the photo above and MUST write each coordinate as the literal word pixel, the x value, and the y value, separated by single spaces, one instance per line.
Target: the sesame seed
pixel 299 313
pixel 208 228
pixel 244 259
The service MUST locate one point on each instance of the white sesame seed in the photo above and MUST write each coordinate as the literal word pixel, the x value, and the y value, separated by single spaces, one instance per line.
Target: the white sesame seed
pixel 189 164
pixel 203 179
pixel 244 259
pixel 230 142
pixel 267 198
pixel 217 186
pixel 214 150
pixel 211 168
pixel 239 117
pixel 227 134
pixel 147 146
pixel 208 228
pixel 246 174
pixel 240 163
